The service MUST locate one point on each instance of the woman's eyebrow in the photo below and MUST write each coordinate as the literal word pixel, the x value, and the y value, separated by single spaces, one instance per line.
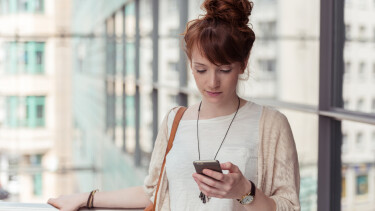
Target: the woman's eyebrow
pixel 197 63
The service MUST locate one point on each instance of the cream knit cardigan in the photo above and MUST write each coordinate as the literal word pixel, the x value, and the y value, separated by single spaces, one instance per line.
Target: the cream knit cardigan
pixel 278 170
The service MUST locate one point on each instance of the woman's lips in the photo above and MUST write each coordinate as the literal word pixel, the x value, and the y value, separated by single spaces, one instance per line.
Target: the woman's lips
pixel 213 94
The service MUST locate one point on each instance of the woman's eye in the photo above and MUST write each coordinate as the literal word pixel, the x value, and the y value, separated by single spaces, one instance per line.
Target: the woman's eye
pixel 201 71
pixel 226 71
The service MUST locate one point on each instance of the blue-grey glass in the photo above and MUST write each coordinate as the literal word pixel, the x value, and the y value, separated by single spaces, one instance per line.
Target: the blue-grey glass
pixel 358 150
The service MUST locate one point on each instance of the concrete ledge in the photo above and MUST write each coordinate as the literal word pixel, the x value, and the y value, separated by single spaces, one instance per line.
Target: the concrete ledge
pixel 11 206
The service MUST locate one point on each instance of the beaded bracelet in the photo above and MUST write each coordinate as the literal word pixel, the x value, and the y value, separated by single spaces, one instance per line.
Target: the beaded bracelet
pixel 90 200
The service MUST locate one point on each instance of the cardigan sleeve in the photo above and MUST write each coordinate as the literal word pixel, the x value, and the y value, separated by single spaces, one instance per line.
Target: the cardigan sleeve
pixel 157 158
pixel 286 178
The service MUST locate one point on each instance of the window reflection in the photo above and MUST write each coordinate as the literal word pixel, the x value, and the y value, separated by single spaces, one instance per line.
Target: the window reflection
pixel 358 85
pixel 358 166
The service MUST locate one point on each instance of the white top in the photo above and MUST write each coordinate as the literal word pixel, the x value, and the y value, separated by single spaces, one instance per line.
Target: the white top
pixel 240 147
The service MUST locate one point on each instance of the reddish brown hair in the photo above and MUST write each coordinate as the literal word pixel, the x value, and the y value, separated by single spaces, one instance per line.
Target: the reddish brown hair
pixel 222 35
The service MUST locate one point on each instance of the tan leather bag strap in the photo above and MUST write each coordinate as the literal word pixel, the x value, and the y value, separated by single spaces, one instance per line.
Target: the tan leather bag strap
pixel 176 121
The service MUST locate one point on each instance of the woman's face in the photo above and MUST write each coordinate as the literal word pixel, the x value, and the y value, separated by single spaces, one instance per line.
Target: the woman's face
pixel 217 84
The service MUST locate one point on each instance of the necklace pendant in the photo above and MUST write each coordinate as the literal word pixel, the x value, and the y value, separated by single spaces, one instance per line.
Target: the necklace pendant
pixel 202 197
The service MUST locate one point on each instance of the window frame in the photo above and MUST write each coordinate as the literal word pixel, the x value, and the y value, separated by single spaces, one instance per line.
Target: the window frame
pixel 330 110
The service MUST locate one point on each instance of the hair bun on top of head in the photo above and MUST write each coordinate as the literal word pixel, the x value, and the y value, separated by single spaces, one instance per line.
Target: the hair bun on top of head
pixel 231 11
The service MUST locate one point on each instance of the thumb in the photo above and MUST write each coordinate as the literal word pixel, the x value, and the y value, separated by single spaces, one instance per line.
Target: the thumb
pixel 229 166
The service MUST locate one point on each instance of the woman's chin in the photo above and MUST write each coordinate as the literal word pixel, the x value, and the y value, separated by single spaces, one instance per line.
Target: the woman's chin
pixel 213 99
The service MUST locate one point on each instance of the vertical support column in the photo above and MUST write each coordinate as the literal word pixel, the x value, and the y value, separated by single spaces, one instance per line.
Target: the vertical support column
pixel 183 8
pixel 123 80
pixel 330 96
pixel 113 80
pixel 137 92
pixel 106 77
pixel 155 68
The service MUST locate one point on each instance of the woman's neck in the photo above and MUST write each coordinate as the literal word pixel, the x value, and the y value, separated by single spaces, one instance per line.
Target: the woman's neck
pixel 212 110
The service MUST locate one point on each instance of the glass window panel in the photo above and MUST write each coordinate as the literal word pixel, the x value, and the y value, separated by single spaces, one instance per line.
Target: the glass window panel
pixel 169 18
pixel 119 112
pixel 167 100
pixel 130 20
pixel 11 58
pixel 11 111
pixel 130 116
pixel 111 46
pixel 145 27
pixel 39 5
pixel 169 44
pixel 362 184
pixel 119 20
pixel 35 111
pixel 169 50
pixel 13 6
pixel 23 5
pixel 119 43
pixel 130 59
pixel 359 83
pixel 4 6
pixel 145 14
pixel 358 166
pixel 146 135
pixel 305 131
pixel 130 40
pixel 194 9
pixel 39 57
pixel 284 62
pixel 145 59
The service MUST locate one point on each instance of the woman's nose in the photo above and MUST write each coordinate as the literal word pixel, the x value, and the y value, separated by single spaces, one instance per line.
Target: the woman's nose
pixel 214 81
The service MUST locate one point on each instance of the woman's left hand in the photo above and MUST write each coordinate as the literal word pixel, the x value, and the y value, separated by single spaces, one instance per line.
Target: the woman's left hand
pixel 232 185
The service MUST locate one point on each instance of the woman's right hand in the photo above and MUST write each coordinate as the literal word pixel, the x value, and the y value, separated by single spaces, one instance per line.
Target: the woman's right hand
pixel 69 202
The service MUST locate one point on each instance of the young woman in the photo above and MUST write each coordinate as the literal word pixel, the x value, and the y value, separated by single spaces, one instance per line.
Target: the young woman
pixel 254 144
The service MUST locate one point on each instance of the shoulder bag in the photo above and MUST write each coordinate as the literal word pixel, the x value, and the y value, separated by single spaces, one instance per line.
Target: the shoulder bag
pixel 176 121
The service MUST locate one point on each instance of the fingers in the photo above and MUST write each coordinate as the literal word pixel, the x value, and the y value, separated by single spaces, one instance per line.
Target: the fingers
pixel 207 180
pixel 230 166
pixel 214 174
pixel 219 185
pixel 209 190
pixel 52 201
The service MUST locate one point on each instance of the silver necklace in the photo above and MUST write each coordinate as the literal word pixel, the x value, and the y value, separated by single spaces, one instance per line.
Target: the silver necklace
pixel 201 195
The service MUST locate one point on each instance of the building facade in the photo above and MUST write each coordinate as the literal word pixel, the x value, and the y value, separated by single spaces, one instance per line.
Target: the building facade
pixel 35 98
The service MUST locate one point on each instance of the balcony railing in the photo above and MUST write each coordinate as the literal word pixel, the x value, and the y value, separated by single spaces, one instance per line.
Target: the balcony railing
pixel 10 206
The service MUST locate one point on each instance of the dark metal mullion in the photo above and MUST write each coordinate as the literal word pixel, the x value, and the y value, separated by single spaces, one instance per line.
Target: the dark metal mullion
pixel 123 79
pixel 106 77
pixel 113 74
pixel 155 66
pixel 137 153
pixel 329 153
pixel 182 97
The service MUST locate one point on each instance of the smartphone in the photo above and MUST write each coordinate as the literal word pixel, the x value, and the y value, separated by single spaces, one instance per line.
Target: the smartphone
pixel 207 164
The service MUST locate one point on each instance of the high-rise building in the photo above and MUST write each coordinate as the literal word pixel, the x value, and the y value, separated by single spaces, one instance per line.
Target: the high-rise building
pixel 358 142
pixel 35 98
